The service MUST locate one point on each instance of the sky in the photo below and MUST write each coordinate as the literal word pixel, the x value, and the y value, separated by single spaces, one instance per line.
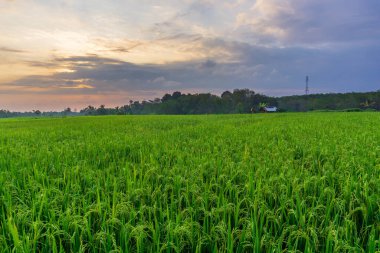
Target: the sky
pixel 70 53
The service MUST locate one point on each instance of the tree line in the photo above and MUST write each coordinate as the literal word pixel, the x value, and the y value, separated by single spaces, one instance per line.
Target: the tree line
pixel 236 101
pixel 353 101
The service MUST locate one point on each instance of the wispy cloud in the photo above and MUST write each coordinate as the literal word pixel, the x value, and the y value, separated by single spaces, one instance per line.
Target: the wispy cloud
pixel 11 50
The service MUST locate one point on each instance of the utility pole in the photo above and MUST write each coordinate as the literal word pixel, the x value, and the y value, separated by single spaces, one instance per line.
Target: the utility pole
pixel 307 86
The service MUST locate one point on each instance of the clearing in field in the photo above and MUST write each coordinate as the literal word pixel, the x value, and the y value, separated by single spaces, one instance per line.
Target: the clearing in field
pixel 233 183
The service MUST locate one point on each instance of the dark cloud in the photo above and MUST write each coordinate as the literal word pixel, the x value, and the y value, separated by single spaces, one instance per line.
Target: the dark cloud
pixel 336 43
pixel 312 22
pixel 273 71
pixel 208 64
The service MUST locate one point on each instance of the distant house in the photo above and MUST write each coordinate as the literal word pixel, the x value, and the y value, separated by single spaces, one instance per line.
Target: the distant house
pixel 270 109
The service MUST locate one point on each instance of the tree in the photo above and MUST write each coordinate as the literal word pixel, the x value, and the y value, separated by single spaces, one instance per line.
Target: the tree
pixel 226 95
pixel 37 112
pixel 367 104
pixel 67 111
pixel 176 95
pixel 89 110
pixel 166 97
pixel 262 107
pixel 102 110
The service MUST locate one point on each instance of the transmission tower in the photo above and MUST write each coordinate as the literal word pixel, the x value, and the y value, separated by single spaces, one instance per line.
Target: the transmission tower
pixel 307 86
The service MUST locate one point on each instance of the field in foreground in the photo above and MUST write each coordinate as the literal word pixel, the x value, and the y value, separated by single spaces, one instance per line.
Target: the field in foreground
pixel 230 183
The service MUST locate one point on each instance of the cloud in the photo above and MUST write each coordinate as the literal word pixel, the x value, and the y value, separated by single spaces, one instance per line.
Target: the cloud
pixel 124 49
pixel 11 50
pixel 78 86
pixel 310 22
pixel 273 71
pixel 209 64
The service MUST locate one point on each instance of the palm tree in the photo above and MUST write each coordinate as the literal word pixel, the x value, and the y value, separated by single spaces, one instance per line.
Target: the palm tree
pixel 262 107
pixel 367 104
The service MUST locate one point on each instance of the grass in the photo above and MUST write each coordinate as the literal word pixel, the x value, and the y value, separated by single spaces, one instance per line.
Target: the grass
pixel 227 183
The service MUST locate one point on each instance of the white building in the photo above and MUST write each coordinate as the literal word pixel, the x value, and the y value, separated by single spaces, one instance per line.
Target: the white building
pixel 271 109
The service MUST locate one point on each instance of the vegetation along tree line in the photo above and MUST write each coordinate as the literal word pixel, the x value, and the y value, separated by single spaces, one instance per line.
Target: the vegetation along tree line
pixel 235 102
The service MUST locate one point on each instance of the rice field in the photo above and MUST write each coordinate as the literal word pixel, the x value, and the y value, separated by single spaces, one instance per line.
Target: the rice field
pixel 307 182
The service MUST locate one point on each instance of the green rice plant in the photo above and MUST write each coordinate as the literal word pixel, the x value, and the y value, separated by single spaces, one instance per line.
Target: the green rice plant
pixel 306 182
